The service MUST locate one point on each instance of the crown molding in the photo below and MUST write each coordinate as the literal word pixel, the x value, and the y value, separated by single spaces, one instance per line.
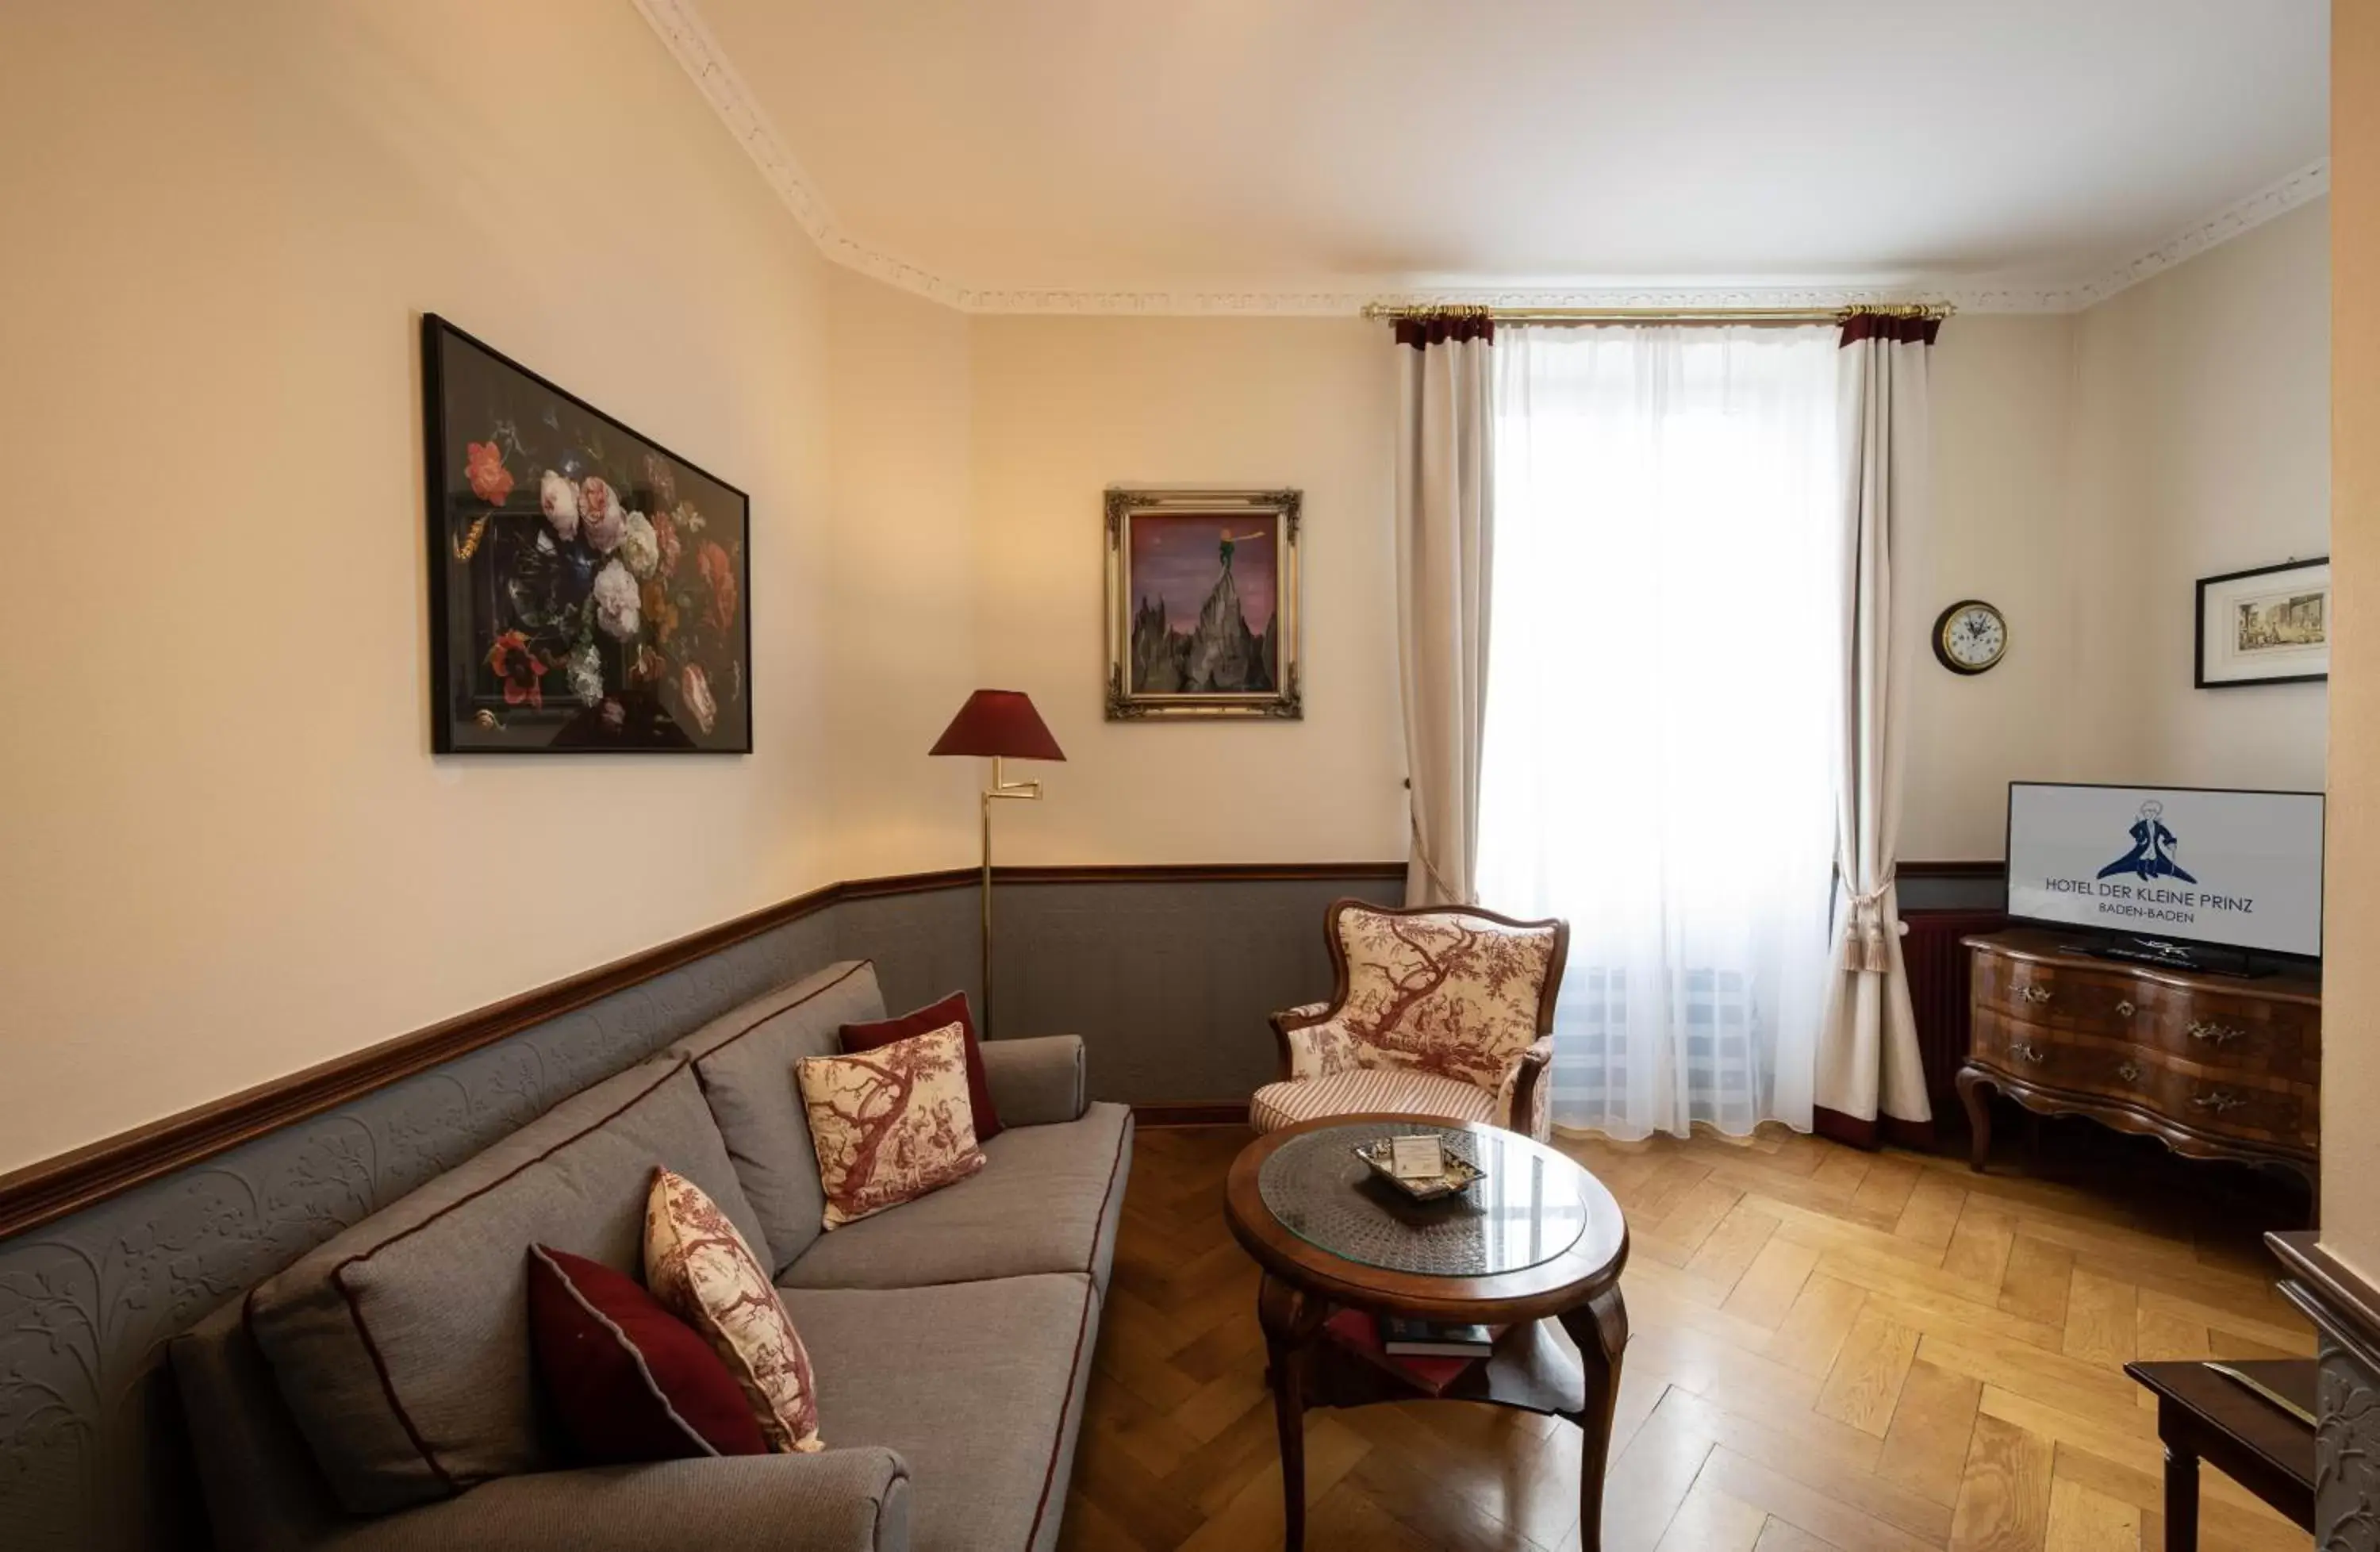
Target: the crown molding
pixel 697 52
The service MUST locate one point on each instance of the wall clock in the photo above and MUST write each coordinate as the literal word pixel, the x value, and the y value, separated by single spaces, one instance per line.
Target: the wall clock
pixel 1969 636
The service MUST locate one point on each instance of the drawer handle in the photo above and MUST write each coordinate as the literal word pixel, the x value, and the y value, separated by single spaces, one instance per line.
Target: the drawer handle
pixel 2036 994
pixel 2130 1072
pixel 2218 1100
pixel 2220 1034
pixel 2025 1052
pixel 2125 1009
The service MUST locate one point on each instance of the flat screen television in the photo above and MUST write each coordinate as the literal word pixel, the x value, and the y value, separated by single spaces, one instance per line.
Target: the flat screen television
pixel 2167 869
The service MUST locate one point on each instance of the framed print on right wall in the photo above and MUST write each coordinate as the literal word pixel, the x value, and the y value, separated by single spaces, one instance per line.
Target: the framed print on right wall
pixel 2266 626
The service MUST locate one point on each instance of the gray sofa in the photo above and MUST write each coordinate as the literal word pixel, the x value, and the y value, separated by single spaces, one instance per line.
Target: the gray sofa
pixel 378 1395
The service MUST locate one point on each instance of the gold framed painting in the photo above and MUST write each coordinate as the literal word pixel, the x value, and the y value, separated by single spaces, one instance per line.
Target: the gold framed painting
pixel 1202 604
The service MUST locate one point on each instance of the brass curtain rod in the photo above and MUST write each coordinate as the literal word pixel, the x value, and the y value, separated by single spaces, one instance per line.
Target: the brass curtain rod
pixel 1426 312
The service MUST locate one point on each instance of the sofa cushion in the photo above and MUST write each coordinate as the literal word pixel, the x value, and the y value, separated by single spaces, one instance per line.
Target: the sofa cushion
pixel 978 1385
pixel 951 1010
pixel 703 1272
pixel 745 1062
pixel 402 1345
pixel 1046 1201
pixel 890 1125
pixel 629 1380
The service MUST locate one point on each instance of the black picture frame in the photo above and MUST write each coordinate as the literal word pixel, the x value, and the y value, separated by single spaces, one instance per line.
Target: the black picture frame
pixel 2198 676
pixel 566 618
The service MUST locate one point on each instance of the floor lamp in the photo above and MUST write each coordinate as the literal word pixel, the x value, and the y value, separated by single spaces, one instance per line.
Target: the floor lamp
pixel 1004 725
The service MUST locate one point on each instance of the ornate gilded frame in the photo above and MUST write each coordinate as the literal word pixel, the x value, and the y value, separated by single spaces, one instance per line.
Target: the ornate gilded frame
pixel 1123 507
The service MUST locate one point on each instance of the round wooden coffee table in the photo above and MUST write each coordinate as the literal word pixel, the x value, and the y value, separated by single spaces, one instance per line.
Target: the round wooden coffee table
pixel 1535 1246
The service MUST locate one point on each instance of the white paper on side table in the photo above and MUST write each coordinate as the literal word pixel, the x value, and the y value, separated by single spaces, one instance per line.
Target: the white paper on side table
pixel 1416 1158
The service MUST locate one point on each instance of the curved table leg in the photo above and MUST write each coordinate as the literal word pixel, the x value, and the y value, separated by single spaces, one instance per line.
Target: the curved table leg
pixel 1290 1317
pixel 1974 1091
pixel 1599 1327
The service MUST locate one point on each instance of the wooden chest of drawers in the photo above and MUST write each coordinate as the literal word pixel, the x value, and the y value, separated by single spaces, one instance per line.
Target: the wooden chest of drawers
pixel 2217 1067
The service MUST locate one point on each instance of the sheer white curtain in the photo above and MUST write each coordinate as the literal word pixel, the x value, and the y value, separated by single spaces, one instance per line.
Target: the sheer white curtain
pixel 1663 711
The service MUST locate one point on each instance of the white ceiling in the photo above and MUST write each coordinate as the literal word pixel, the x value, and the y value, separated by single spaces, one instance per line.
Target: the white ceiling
pixel 1309 149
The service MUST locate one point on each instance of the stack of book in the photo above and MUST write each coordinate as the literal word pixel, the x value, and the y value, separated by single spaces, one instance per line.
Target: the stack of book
pixel 1424 1354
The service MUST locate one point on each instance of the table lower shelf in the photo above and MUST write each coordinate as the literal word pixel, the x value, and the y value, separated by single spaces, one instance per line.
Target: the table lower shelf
pixel 1535 1366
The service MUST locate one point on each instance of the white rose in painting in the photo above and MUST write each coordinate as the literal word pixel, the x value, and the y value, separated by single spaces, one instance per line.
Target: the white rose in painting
pixel 559 497
pixel 587 674
pixel 615 603
pixel 600 515
pixel 694 689
pixel 639 546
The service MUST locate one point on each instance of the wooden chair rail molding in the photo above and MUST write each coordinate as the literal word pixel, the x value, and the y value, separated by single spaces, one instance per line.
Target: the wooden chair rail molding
pixel 52 1188
pixel 43 1192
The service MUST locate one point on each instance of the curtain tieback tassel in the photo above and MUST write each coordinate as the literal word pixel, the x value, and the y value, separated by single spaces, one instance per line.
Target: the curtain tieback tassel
pixel 1865 951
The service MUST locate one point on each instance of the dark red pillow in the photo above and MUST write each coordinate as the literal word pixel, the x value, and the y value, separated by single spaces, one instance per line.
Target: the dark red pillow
pixel 925 1021
pixel 631 1381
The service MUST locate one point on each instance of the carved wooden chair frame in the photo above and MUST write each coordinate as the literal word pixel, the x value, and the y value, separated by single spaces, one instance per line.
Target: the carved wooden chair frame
pixel 1534 1064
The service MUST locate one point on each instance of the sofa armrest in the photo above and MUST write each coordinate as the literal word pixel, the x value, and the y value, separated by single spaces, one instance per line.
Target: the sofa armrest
pixel 840 1500
pixel 1036 1081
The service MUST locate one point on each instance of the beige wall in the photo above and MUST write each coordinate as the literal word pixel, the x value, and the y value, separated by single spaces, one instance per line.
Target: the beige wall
pixel 2202 447
pixel 1064 407
pixel 2088 470
pixel 2350 1079
pixel 229 853
pixel 2002 398
pixel 903 599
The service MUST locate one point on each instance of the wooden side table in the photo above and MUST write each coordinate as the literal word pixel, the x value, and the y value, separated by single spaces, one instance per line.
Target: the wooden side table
pixel 1535 1246
pixel 2203 1415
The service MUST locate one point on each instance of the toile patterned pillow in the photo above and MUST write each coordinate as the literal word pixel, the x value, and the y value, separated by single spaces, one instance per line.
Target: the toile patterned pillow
pixel 701 1270
pixel 890 1124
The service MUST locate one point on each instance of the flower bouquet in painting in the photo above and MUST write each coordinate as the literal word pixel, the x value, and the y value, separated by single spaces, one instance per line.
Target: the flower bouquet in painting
pixel 588 585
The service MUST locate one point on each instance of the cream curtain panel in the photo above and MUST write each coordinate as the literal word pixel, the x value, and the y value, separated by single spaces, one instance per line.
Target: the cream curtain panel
pixel 1443 551
pixel 1870 1087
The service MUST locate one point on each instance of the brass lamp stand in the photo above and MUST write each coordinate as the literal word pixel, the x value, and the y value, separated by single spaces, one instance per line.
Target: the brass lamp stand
pixel 1004 725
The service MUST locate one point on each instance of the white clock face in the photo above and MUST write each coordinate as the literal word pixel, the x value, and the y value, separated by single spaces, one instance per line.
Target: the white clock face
pixel 1975 637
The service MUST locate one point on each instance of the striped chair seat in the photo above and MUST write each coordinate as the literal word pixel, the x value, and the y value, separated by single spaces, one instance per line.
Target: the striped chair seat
pixel 1401 1090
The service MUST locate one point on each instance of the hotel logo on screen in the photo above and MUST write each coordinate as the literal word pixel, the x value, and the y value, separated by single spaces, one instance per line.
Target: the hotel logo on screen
pixel 2153 865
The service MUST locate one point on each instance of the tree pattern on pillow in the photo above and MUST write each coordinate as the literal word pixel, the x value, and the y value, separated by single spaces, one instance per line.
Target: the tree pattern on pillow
pixel 1453 995
pixel 890 1124
pixel 701 1270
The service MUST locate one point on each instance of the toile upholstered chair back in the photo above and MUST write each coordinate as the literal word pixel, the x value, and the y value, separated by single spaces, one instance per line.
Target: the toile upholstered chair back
pixel 1438 1010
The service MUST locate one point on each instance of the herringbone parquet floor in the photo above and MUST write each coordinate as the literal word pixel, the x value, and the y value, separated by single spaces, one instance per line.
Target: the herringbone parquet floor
pixel 1831 1349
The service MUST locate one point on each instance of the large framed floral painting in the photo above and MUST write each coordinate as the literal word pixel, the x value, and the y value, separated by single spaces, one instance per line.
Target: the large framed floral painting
pixel 1202 604
pixel 589 589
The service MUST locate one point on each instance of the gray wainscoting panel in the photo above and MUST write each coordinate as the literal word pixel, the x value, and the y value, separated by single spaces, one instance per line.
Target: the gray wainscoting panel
pixel 92 1451
pixel 1167 984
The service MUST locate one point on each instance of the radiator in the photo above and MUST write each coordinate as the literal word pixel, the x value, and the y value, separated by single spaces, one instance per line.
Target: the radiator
pixel 1937 990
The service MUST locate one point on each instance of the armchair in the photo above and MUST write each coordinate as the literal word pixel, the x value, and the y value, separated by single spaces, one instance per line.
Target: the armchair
pixel 1437 1011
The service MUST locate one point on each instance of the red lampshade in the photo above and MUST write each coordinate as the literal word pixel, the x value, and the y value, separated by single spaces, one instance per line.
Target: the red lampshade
pixel 999 723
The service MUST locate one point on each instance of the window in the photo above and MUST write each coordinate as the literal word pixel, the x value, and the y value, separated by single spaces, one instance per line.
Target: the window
pixel 1666 657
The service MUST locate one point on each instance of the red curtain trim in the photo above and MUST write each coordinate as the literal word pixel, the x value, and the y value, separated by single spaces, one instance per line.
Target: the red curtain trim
pixel 1885 326
pixel 1423 332
pixel 1872 1133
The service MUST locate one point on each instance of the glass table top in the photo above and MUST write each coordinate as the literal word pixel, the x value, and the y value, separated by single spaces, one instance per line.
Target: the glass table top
pixel 1527 1207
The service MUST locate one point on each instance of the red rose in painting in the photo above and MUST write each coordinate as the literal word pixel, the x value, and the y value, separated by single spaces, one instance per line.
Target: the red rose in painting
pixel 719 572
pixel 520 669
pixel 671 546
pixel 491 481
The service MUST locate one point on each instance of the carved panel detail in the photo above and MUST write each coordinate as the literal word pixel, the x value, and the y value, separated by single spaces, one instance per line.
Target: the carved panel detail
pixel 2347 1453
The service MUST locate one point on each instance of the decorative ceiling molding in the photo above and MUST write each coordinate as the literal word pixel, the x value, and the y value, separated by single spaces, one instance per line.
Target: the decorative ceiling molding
pixel 690 42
